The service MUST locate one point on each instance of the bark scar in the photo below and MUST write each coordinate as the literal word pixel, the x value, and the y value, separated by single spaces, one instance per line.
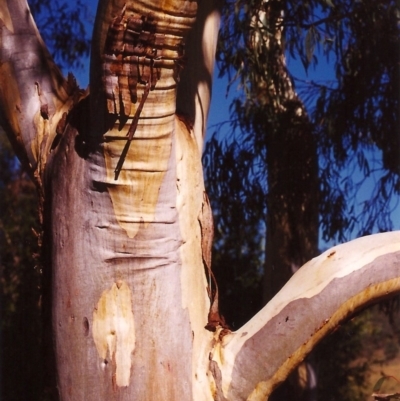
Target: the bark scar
pixel 133 55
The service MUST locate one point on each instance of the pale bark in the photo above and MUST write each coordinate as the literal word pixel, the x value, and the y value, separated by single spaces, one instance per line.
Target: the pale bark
pixel 126 258
pixel 33 93
pixel 130 299
pixel 324 292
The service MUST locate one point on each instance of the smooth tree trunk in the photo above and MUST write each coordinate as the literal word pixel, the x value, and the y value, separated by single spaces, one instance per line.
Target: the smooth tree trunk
pixel 138 292
pixel 127 227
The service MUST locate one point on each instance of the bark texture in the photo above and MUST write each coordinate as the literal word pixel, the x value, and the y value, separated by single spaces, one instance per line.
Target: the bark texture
pixel 33 94
pixel 129 291
pixel 324 292
pixel 129 288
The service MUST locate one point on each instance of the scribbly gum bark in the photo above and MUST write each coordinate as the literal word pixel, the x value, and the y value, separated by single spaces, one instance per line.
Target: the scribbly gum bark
pixel 129 291
pixel 127 225
pixel 126 247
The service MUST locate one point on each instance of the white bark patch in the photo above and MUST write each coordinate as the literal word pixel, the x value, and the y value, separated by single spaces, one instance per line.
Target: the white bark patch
pixel 114 330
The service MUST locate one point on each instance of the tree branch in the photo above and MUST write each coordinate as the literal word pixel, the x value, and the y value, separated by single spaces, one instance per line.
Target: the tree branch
pixel 323 293
pixel 33 94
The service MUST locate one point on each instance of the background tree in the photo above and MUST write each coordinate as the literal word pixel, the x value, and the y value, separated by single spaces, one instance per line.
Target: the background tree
pixel 347 115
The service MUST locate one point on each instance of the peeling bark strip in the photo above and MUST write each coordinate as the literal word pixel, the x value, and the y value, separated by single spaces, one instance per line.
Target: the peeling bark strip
pixel 207 236
pixel 134 54
pixel 207 232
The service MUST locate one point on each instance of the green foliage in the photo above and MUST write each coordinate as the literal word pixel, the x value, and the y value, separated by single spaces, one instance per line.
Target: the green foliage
pixel 243 249
pixel 348 357
pixel 354 116
pixel 239 249
pixel 357 120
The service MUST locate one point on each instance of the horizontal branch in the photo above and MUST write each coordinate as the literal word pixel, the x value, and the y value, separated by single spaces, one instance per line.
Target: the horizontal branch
pixel 322 294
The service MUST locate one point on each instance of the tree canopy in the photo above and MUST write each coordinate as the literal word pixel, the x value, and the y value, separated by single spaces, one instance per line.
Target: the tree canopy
pixel 354 115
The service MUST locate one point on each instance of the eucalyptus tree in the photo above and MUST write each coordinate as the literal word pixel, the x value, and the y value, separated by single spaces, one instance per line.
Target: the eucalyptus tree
pixel 346 122
pixel 127 226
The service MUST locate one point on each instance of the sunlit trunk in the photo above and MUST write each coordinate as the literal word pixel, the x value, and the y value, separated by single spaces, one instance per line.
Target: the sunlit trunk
pixel 130 296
